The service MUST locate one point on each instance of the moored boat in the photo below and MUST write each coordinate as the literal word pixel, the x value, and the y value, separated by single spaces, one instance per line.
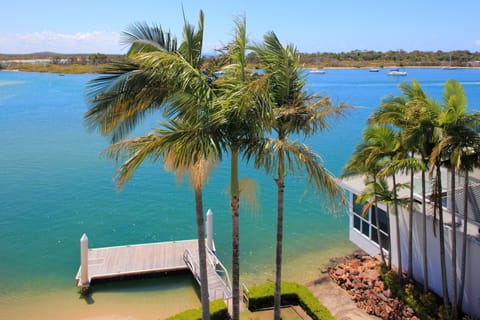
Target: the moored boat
pixel 316 71
pixel 396 72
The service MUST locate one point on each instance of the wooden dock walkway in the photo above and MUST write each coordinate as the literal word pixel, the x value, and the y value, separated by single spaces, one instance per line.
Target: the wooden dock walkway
pixel 129 260
pixel 218 287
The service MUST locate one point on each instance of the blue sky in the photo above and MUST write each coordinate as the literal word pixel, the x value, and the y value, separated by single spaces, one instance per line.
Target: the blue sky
pixel 88 26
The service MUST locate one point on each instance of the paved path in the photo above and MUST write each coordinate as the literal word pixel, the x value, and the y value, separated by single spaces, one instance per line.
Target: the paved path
pixel 337 300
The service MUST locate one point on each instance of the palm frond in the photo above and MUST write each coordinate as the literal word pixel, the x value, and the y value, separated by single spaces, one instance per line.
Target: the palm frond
pixel 142 38
pixel 296 156
pixel 120 100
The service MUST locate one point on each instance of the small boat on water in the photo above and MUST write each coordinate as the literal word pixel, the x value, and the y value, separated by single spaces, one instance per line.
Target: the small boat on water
pixel 374 70
pixel 449 67
pixel 316 71
pixel 396 72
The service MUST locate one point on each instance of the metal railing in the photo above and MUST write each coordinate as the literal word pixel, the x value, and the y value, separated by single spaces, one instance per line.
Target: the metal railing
pixel 215 264
pixel 245 294
pixel 192 264
pixel 222 273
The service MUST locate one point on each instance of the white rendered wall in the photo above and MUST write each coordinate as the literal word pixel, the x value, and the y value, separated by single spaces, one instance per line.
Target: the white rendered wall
pixel 471 299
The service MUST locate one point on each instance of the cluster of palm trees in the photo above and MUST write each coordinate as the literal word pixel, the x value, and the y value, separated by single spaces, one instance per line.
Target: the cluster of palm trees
pixel 416 133
pixel 209 110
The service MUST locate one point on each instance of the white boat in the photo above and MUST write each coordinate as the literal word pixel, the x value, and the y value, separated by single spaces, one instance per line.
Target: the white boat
pixel 316 71
pixel 374 70
pixel 449 67
pixel 396 72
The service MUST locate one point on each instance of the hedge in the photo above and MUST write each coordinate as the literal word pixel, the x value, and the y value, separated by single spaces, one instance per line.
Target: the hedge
pixel 218 311
pixel 261 297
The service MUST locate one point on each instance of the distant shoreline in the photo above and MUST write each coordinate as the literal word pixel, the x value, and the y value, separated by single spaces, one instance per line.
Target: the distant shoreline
pixel 97 69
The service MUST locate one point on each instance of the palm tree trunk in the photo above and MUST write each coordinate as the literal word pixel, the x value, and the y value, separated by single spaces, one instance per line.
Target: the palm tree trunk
pixel 442 239
pixel 277 300
pixel 235 205
pixel 277 296
pixel 379 234
pixel 464 242
pixel 202 255
pixel 425 248
pixel 410 230
pixel 389 240
pixel 454 244
pixel 397 228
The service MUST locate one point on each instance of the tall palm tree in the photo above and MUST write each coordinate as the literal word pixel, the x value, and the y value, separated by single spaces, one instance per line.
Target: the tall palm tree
pixel 172 146
pixel 419 133
pixel 295 111
pixel 242 98
pixel 376 191
pixel 469 160
pixel 364 161
pixel 402 112
pixel 458 137
pixel 387 146
pixel 160 75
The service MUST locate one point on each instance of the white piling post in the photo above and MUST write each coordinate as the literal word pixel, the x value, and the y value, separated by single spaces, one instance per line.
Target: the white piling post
pixel 210 230
pixel 84 260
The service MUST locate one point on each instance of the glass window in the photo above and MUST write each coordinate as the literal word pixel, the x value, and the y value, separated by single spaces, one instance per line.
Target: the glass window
pixel 385 241
pixel 367 224
pixel 357 207
pixel 374 236
pixel 383 218
pixel 365 228
pixel 356 222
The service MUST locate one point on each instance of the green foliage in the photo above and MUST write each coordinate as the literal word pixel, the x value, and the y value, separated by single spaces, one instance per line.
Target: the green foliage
pixel 218 311
pixel 292 294
pixel 426 306
pixel 58 68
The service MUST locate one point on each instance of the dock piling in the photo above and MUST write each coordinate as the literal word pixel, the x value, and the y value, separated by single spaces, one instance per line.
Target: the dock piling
pixel 210 230
pixel 84 261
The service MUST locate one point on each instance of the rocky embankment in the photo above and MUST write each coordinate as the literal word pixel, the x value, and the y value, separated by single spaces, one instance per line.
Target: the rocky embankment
pixel 359 275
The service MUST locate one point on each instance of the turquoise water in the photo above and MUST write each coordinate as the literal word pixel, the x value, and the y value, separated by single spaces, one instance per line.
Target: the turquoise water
pixel 54 187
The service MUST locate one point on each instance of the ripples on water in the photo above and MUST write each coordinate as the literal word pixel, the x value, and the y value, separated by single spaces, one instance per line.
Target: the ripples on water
pixel 54 187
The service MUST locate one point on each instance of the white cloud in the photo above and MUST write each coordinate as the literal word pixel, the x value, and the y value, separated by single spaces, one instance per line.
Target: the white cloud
pixel 477 42
pixel 80 42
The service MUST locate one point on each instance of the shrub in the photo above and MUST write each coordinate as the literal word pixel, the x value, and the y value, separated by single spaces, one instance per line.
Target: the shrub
pixel 426 306
pixel 218 311
pixel 261 297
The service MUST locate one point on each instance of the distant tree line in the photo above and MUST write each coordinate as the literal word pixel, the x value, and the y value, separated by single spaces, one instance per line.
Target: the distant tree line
pixel 368 58
pixel 351 59
pixel 58 58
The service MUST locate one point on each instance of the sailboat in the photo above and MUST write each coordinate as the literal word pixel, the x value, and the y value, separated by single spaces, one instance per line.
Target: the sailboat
pixel 449 67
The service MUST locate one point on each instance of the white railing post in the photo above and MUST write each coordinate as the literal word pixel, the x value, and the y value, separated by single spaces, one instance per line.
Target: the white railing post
pixel 84 260
pixel 210 230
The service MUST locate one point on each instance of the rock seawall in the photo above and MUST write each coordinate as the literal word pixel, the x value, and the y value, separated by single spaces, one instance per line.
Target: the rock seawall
pixel 359 276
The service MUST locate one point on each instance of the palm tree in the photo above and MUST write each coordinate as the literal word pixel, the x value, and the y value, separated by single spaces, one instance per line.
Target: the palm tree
pixel 364 161
pixel 295 111
pixel 243 101
pixel 403 112
pixel 172 146
pixel 458 137
pixel 159 76
pixel 469 160
pixel 377 191
pixel 387 145
pixel 420 134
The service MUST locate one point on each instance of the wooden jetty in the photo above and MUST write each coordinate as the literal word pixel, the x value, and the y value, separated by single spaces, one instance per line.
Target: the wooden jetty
pixel 130 260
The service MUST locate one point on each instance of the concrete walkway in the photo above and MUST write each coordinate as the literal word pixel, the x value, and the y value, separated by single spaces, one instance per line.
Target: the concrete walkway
pixel 337 300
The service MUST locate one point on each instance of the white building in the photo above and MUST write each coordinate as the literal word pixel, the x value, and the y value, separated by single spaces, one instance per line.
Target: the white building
pixel 363 233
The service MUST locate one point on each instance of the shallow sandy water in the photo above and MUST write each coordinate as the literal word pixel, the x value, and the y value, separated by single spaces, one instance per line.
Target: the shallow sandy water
pixel 146 299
